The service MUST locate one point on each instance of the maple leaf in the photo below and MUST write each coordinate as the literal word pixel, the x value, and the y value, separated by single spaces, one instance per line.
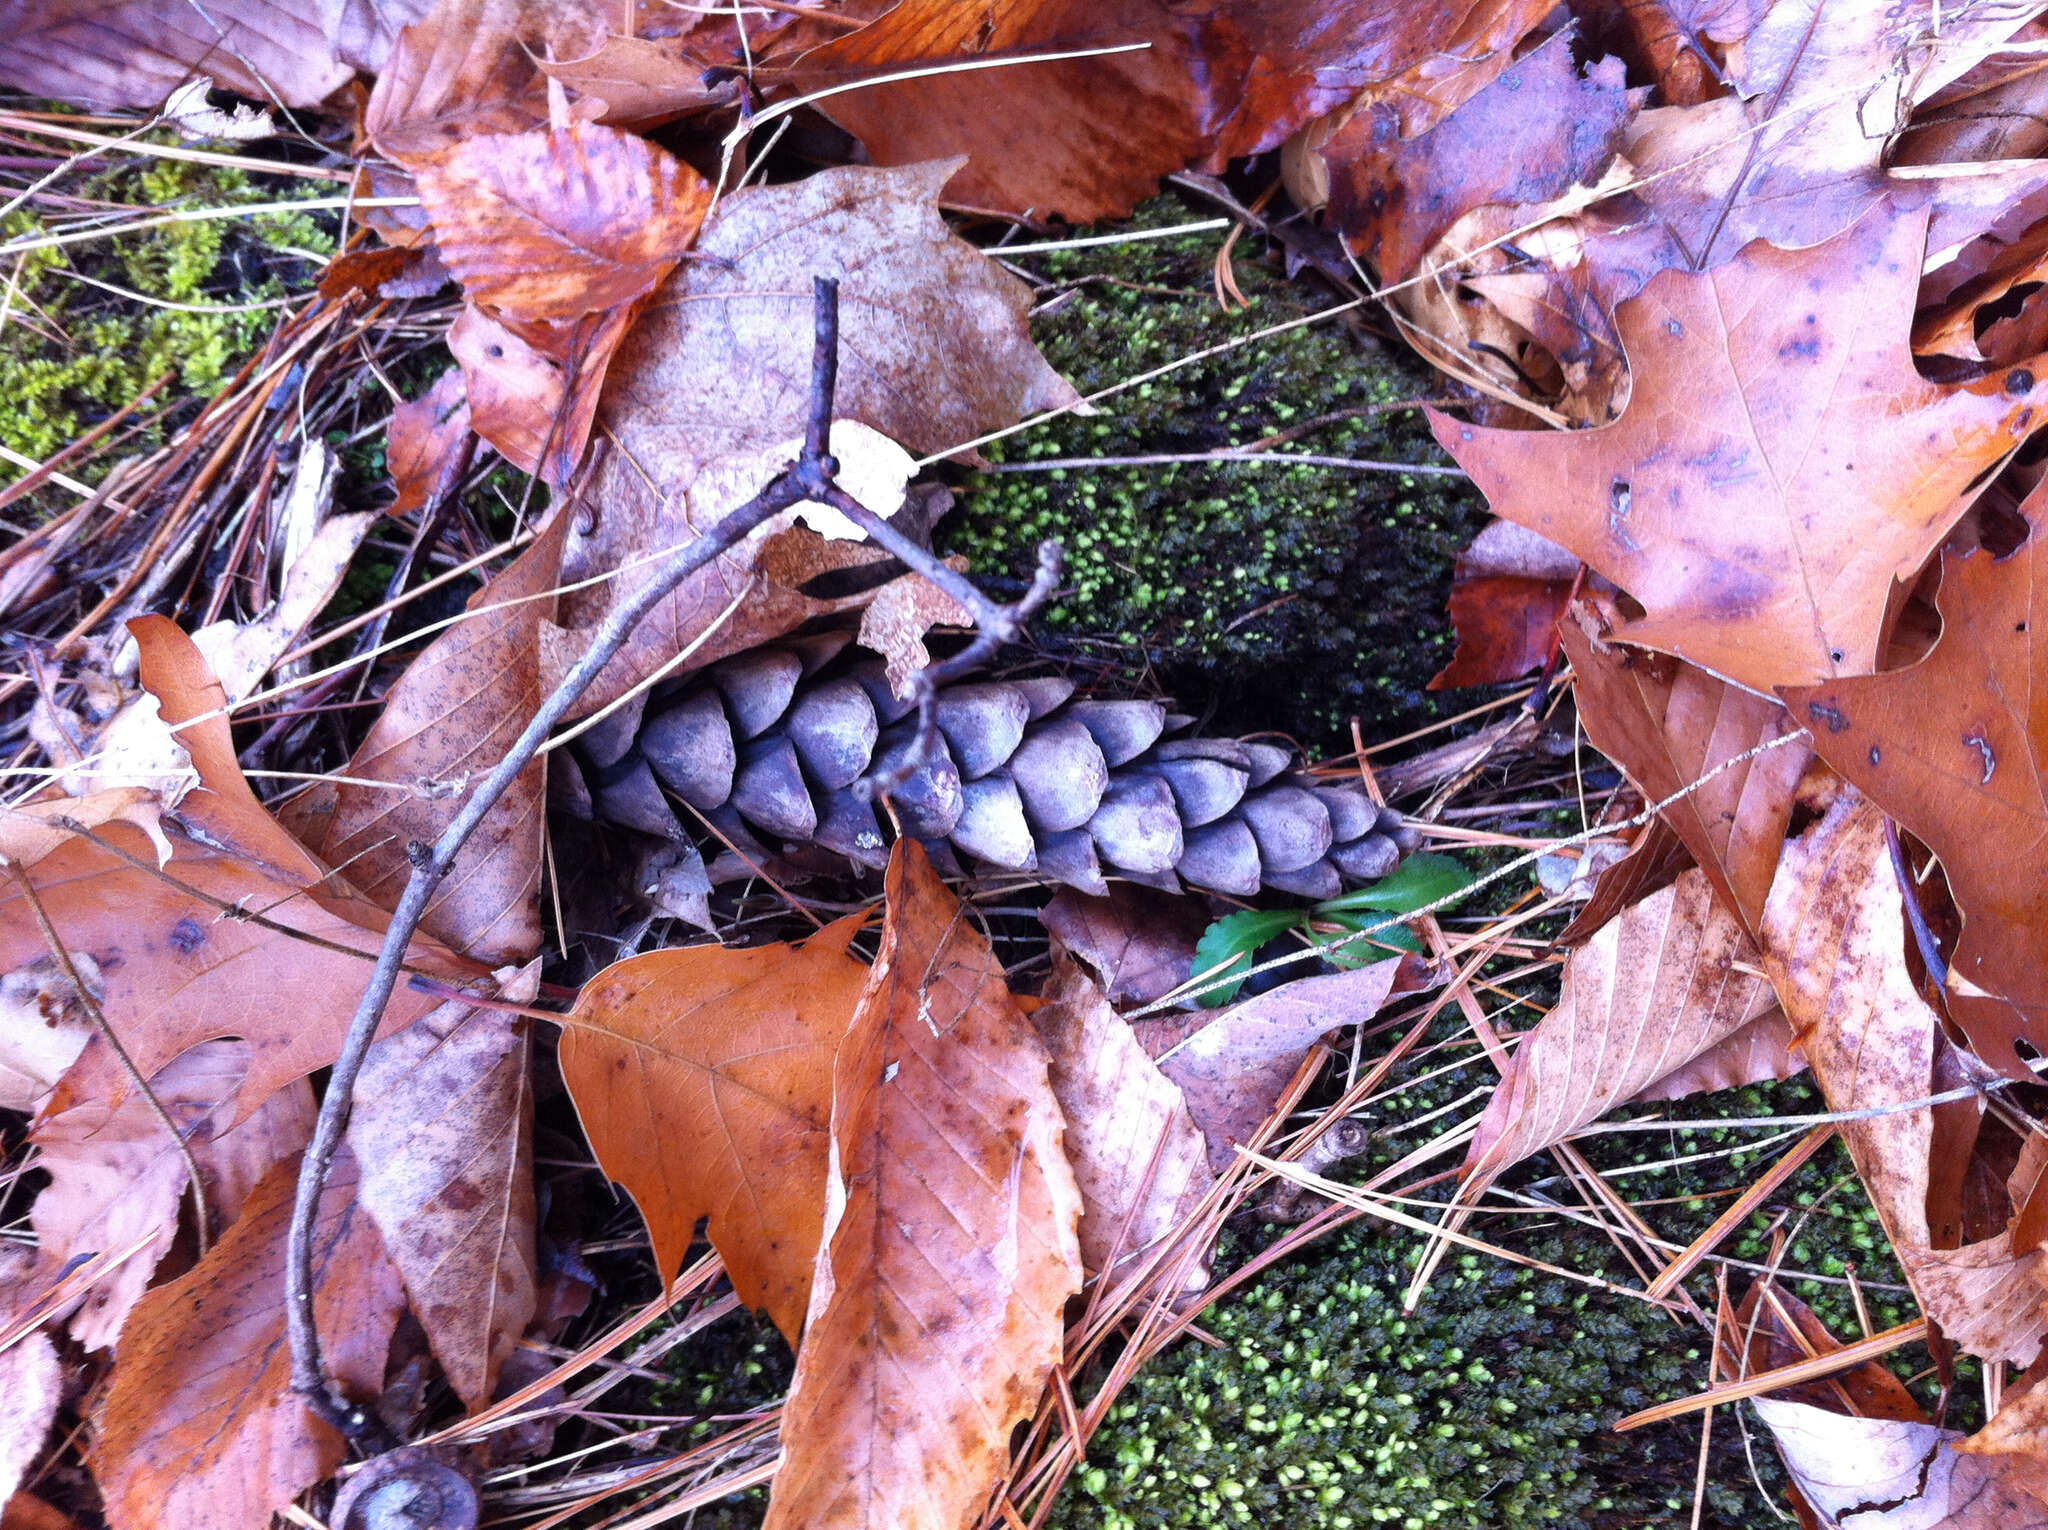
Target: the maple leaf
pixel 703 1076
pixel 1779 464
pixel 1646 995
pixel 949 1247
pixel 1672 726
pixel 201 1429
pixel 1952 748
pixel 1834 946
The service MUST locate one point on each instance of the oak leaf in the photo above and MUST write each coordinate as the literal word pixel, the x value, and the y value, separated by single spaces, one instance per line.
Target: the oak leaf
pixel 1646 995
pixel 201 1429
pixel 1780 462
pixel 1834 946
pixel 950 1249
pixel 703 1075
pixel 1953 748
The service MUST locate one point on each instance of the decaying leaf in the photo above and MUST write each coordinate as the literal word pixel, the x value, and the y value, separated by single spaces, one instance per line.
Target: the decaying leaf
pixel 1779 463
pixel 703 1075
pixel 1139 941
pixel 935 352
pixel 949 1247
pixel 533 387
pixel 427 443
pixel 1834 945
pixel 1137 1156
pixel 31 1386
pixel 1648 993
pixel 443 1129
pixel 201 1429
pixel 1758 1053
pixel 446 724
pixel 1673 726
pixel 1952 749
pixel 1893 1474
pixel 1510 589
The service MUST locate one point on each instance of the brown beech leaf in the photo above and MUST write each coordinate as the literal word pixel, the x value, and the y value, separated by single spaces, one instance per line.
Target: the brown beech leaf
pixel 1654 860
pixel 707 397
pixel 1137 1155
pixel 640 82
pixel 703 1075
pixel 1647 994
pixel 1758 1053
pixel 470 67
pixel 201 1429
pixel 118 53
pixel 1953 748
pixel 1770 1327
pixel 116 1178
pixel 1510 589
pixel 1215 82
pixel 25 1511
pixel 1779 464
pixel 1834 944
pixel 448 721
pixel 1670 725
pixel 533 387
pixel 950 1250
pixel 557 223
pixel 443 1127
pixel 31 1386
pixel 1140 942
pixel 1233 1068
pixel 427 443
pixel 1529 136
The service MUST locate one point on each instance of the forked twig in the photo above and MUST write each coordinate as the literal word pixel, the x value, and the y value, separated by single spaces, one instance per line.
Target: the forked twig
pixel 811 477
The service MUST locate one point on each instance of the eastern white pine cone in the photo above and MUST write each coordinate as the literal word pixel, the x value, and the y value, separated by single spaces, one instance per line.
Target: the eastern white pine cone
pixel 768 746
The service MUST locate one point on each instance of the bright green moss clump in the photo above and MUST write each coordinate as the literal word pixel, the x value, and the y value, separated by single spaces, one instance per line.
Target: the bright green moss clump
pixel 1292 596
pixel 1330 1409
pixel 76 352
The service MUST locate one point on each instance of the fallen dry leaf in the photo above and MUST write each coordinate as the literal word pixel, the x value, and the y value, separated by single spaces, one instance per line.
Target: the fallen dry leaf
pixel 935 352
pixel 1233 1069
pixel 1648 993
pixel 1893 1474
pixel 703 1075
pixel 1834 944
pixel 201 1429
pixel 1139 942
pixel 1138 1158
pixel 558 223
pixel 427 443
pixel 240 654
pixel 1758 1053
pixel 1779 463
pixel 447 722
pixel 31 1386
pixel 950 1249
pixel 443 1128
pixel 1670 726
pixel 116 53
pixel 533 387
pixel 1509 590
pixel 1952 748
pixel 1528 137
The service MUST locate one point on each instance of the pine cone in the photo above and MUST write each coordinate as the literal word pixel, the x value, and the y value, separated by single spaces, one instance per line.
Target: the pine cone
pixel 769 745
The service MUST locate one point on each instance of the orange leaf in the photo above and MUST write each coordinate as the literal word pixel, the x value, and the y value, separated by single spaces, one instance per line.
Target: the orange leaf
pixel 201 1428
pixel 558 223
pixel 427 443
pixel 950 1249
pixel 703 1075
pixel 1779 464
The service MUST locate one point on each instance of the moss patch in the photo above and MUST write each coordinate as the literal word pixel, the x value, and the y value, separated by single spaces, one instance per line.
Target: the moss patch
pixel 1292 597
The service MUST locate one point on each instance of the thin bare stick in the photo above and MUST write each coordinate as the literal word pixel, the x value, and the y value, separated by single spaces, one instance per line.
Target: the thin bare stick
pixel 91 1006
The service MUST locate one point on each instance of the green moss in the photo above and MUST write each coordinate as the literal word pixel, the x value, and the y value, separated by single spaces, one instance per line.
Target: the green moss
pixel 1292 596
pixel 75 352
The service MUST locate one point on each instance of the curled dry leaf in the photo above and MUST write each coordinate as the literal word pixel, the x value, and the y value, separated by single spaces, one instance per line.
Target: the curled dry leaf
pixel 452 716
pixel 1834 945
pixel 201 1429
pixel 1648 993
pixel 557 223
pixel 1671 725
pixel 1510 589
pixel 1137 1156
pixel 703 1075
pixel 1234 1068
pixel 950 1250
pixel 443 1128
pixel 935 348
pixel 1780 462
pixel 1895 1474
pixel 533 387
pixel 1952 748
pixel 31 1386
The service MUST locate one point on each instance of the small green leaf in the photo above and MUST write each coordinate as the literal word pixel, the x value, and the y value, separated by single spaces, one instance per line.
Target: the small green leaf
pixel 1346 948
pixel 1416 883
pixel 1232 939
